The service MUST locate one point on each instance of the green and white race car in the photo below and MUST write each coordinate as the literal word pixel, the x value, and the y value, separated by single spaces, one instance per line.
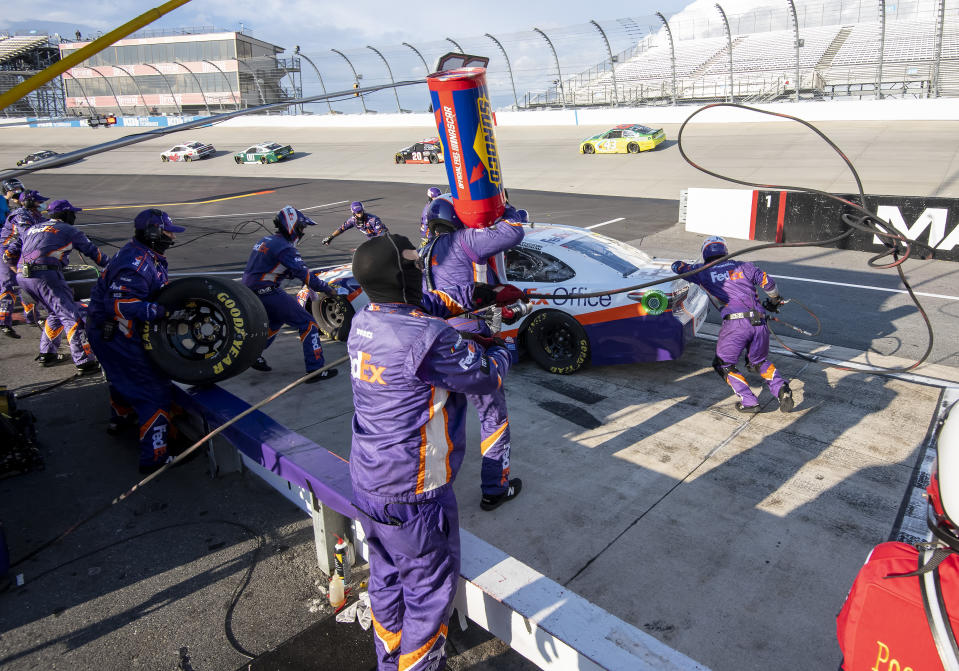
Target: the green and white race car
pixel 265 152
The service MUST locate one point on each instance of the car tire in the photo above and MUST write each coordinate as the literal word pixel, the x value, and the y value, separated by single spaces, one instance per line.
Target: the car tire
pixel 81 279
pixel 212 330
pixel 399 159
pixel 433 158
pixel 238 160
pixel 164 159
pixel 557 342
pixel 589 149
pixel 632 148
pixel 333 314
pixel 263 160
pixel 188 159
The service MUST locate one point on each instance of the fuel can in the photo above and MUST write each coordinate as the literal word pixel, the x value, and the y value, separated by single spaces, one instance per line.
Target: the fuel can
pixel 464 119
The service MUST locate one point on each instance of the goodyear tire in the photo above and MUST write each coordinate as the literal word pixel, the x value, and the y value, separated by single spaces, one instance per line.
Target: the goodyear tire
pixel 589 149
pixel 334 315
pixel 81 279
pixel 238 160
pixel 632 148
pixel 188 159
pixel 162 158
pixel 433 158
pixel 263 160
pixel 399 159
pixel 557 342
pixel 213 329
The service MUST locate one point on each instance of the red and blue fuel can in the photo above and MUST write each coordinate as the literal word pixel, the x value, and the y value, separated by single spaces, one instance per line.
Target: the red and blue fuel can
pixel 464 119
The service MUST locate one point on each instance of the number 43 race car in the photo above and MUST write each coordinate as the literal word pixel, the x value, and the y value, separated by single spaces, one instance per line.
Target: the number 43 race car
pixel 424 151
pixel 623 139
pixel 564 333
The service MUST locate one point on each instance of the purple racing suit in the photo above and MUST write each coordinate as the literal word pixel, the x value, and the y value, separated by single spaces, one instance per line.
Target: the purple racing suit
pixel 454 263
pixel 372 226
pixel 15 223
pixel 120 302
pixel 410 372
pixel 44 251
pixel 732 284
pixel 274 259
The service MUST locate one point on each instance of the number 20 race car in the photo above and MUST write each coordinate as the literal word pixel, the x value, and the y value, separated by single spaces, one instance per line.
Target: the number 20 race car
pixel 565 332
pixel 424 151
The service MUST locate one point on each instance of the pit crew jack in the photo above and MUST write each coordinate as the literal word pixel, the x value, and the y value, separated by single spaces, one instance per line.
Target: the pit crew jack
pixel 455 264
pixel 274 259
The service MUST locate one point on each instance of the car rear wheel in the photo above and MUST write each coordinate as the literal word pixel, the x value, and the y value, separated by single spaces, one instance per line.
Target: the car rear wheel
pixel 263 160
pixel 333 314
pixel 433 158
pixel 212 330
pixel 187 158
pixel 557 342
pixel 632 148
pixel 589 149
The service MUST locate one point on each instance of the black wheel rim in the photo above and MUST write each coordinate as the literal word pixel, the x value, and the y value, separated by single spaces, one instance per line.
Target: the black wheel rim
pixel 199 330
pixel 558 343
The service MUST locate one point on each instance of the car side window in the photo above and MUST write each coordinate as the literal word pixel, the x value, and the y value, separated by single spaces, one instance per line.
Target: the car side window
pixel 613 134
pixel 529 265
pixel 177 149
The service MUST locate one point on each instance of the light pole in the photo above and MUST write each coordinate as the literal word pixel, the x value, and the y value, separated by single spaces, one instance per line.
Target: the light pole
pixel 672 51
pixel 453 42
pixel 556 60
pixel 392 81
pixel 729 47
pixel 612 65
pixel 792 9
pixel 508 67
pixel 318 75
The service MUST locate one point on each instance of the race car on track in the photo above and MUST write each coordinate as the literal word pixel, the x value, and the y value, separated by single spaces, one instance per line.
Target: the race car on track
pixel 564 333
pixel 265 152
pixel 429 150
pixel 38 156
pixel 188 151
pixel 623 139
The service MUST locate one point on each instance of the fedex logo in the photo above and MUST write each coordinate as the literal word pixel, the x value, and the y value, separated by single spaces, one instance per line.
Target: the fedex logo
pixel 159 440
pixel 470 357
pixel 725 276
pixel 362 369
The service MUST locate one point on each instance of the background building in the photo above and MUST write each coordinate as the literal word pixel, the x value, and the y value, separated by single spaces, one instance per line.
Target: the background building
pixel 21 57
pixel 184 71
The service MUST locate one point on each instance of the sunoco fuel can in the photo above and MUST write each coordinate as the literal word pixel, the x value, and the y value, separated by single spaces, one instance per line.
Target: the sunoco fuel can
pixel 464 119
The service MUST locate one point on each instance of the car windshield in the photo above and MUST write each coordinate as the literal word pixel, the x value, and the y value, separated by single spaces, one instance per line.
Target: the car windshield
pixel 600 252
pixel 194 145
pixel 645 130
pixel 271 146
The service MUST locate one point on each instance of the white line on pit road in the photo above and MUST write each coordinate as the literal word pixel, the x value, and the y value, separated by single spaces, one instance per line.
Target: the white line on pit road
pixel 220 216
pixel 866 286
pixel 611 221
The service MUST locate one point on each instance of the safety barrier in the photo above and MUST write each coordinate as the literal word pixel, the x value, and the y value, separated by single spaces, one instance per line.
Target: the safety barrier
pixel 540 619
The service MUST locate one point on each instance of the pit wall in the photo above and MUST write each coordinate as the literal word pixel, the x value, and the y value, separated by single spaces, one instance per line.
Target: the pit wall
pixel 936 109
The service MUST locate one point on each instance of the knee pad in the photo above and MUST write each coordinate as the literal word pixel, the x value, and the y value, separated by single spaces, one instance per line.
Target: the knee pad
pixel 722 368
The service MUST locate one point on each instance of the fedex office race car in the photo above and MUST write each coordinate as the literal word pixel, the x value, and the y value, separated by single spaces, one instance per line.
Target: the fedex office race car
pixel 567 331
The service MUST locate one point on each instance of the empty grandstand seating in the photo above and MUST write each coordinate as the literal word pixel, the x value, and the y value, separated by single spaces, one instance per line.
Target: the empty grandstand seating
pixel 11 47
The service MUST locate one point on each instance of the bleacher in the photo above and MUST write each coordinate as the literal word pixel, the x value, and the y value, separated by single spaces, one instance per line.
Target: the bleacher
pixel 18 45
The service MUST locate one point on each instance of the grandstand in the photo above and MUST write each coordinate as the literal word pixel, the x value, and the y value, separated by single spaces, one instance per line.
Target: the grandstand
pixel 21 57
pixel 840 57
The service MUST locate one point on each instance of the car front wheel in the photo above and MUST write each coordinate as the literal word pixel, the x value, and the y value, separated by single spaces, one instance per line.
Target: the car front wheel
pixel 263 160
pixel 589 149
pixel 238 160
pixel 334 315
pixel 399 159
pixel 632 148
pixel 557 342
pixel 164 159
pixel 433 158
pixel 188 158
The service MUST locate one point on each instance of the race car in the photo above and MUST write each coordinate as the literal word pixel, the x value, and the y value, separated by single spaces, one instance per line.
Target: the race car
pixel 429 150
pixel 188 151
pixel 39 156
pixel 623 139
pixel 565 332
pixel 265 152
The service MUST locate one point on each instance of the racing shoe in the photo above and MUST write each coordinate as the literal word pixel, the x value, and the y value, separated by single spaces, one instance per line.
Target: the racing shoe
pixel 47 359
pixel 261 364
pixel 786 403
pixel 9 332
pixel 747 409
pixel 88 368
pixel 494 501
pixel 325 375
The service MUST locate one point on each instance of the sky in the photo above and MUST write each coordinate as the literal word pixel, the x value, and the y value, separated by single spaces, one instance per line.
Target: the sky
pixel 319 26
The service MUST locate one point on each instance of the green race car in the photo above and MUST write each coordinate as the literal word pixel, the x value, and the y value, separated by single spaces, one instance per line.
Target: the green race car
pixel 265 152
pixel 626 138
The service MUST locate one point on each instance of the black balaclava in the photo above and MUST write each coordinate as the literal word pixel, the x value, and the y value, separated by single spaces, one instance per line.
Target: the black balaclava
pixel 387 277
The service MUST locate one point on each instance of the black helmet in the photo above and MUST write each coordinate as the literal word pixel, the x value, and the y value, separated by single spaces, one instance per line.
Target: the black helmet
pixel 12 184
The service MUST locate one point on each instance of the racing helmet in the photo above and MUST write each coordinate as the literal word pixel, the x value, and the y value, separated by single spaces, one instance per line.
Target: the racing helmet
pixel 12 184
pixel 149 227
pixel 356 207
pixel 713 247
pixel 292 223
pixel 943 511
pixel 432 193
pixel 441 217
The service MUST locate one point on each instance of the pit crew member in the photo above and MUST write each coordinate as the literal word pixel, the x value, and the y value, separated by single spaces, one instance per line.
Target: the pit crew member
pixel 432 194
pixel 367 223
pixel 121 301
pixel 731 286
pixel 274 259
pixel 410 372
pixel 44 251
pixel 22 217
pixel 458 275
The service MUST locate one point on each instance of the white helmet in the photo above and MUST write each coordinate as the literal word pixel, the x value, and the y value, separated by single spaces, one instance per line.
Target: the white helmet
pixel 714 246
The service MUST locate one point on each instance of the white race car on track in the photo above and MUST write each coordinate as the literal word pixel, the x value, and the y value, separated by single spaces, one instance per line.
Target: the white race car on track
pixel 565 332
pixel 188 151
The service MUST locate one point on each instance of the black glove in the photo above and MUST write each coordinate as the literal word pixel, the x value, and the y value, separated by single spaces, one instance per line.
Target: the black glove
pixel 328 239
pixel 773 304
pixel 485 341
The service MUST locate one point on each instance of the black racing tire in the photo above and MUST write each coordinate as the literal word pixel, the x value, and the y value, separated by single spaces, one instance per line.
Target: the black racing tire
pixel 433 158
pixel 632 148
pixel 81 279
pixel 589 149
pixel 188 159
pixel 213 329
pixel 164 159
pixel 238 160
pixel 557 342
pixel 399 159
pixel 334 315
pixel 263 160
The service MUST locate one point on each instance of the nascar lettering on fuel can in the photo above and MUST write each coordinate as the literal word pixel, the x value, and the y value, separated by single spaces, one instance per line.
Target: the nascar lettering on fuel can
pixel 464 119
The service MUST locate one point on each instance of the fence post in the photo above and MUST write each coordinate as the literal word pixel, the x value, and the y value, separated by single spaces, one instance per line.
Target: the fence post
pixel 558 71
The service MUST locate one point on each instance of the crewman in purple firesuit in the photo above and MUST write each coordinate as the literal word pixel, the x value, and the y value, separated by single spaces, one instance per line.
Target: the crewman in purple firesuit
pixel 410 372
pixel 274 259
pixel 24 216
pixel 44 250
pixel 731 286
pixel 459 273
pixel 121 301
pixel 369 224
pixel 432 194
